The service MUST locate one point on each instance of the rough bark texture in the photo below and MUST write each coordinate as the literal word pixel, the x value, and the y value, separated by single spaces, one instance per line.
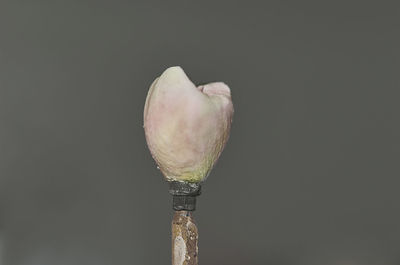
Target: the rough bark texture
pixel 184 239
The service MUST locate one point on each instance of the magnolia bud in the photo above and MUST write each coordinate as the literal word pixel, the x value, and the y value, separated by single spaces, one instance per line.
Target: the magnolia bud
pixel 186 127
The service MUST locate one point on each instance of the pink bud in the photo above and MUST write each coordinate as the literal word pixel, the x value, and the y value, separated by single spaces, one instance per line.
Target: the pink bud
pixel 186 126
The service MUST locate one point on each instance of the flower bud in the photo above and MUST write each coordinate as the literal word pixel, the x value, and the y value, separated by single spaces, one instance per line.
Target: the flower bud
pixel 186 127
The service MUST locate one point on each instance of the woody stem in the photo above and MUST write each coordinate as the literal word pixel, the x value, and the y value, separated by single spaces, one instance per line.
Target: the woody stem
pixel 184 239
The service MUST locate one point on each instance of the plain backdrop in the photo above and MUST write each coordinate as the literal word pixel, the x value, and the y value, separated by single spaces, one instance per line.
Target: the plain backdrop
pixel 310 175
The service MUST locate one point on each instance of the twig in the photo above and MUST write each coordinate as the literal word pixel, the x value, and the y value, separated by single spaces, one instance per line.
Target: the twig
pixel 184 239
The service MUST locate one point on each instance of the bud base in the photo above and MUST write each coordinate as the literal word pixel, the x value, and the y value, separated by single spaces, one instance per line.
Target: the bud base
pixel 184 195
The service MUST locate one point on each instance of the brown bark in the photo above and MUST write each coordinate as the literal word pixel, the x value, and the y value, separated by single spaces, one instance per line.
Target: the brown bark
pixel 184 239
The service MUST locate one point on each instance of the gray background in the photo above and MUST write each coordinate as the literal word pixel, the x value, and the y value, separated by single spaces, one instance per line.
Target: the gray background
pixel 310 174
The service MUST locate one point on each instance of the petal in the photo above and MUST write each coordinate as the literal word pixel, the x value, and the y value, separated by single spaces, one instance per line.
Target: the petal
pixel 147 103
pixel 216 88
